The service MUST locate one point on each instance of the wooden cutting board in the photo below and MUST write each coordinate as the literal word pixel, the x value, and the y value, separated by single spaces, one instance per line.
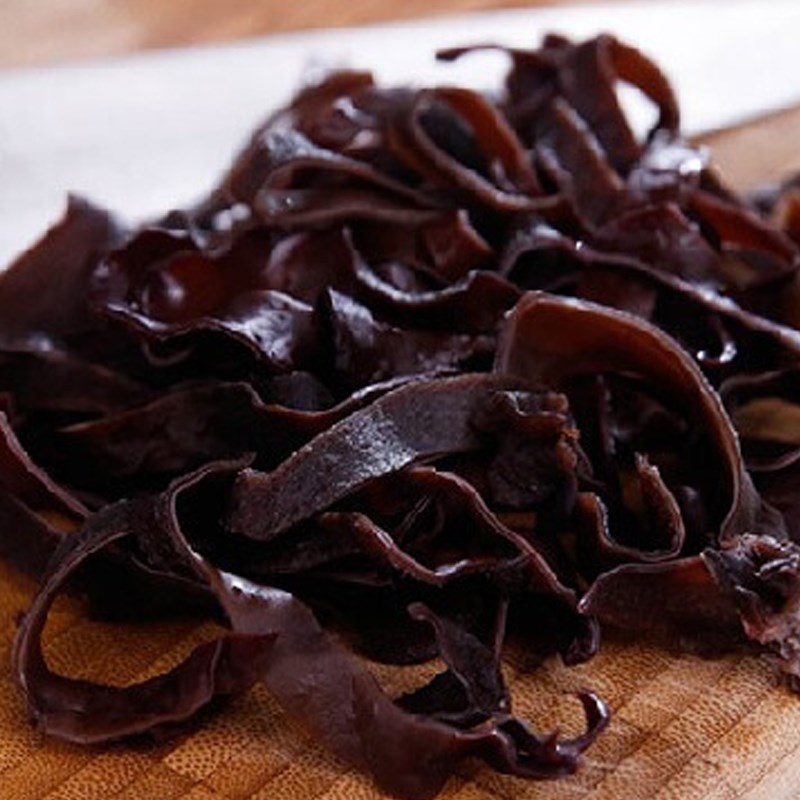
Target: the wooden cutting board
pixel 684 728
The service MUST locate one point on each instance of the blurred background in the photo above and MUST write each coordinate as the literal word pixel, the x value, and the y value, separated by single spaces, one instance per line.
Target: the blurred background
pixel 36 32
pixel 94 98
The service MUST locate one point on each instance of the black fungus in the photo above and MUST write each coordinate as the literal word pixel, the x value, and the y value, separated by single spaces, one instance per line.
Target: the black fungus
pixel 424 363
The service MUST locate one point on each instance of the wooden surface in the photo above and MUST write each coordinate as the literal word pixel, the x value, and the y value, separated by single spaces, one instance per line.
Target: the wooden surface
pixel 54 31
pixel 759 151
pixel 683 728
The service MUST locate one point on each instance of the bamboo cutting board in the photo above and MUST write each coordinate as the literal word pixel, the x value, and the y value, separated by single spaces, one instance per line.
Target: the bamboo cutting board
pixel 684 728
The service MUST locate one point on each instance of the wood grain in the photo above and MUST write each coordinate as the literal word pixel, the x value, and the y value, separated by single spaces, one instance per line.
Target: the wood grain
pixel 684 728
pixel 55 31
pixel 759 151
